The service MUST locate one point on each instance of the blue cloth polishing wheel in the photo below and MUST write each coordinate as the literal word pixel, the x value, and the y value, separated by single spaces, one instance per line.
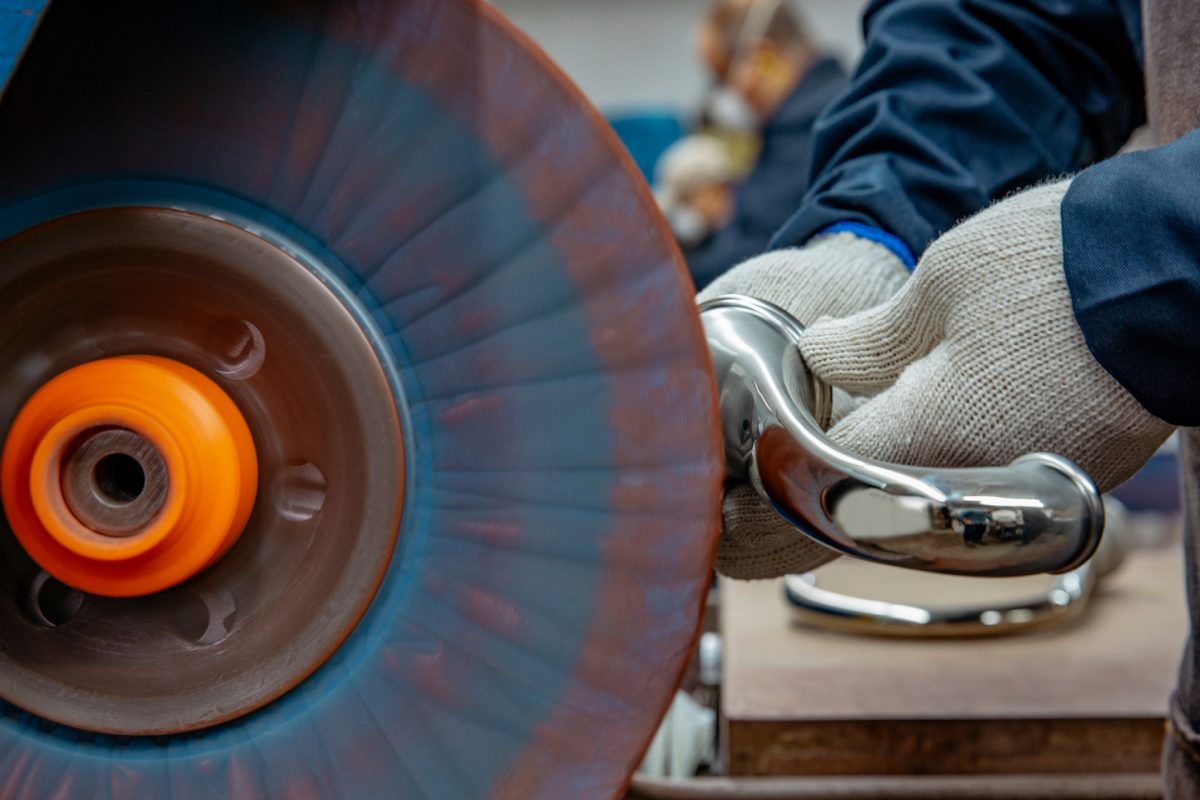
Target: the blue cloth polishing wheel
pixel 434 285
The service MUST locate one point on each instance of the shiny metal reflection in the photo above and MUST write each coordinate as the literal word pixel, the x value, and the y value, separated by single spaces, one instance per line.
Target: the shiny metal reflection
pixel 1066 597
pixel 1039 514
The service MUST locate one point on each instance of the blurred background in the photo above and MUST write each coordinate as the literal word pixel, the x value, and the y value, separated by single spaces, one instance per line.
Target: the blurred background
pixel 637 55
pixel 714 99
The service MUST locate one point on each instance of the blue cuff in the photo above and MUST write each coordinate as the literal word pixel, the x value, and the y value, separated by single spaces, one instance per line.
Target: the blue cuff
pixel 876 235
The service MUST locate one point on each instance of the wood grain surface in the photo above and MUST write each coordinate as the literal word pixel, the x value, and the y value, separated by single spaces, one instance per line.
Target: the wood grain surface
pixel 1122 786
pixel 1089 696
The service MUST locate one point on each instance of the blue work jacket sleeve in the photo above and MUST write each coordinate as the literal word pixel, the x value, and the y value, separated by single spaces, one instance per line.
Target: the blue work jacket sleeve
pixel 1131 251
pixel 957 102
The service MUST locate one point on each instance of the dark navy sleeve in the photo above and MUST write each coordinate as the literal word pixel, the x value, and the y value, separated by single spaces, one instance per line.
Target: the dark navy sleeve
pixel 1131 250
pixel 957 102
pixel 725 248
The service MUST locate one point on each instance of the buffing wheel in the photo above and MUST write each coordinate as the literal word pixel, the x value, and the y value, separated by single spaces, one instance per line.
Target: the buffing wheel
pixel 484 432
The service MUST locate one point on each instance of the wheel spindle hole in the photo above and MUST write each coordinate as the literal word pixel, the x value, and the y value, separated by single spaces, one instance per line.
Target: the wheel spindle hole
pixel 52 602
pixel 238 347
pixel 299 491
pixel 119 478
pixel 115 481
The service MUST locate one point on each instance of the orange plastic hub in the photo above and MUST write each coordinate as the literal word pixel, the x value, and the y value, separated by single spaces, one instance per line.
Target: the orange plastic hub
pixel 129 475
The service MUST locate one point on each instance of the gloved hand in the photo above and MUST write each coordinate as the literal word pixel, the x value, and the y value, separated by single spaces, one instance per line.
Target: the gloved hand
pixel 982 358
pixel 836 274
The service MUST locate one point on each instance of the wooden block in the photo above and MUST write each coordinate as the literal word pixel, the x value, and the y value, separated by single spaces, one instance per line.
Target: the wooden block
pixel 1123 786
pixel 1090 696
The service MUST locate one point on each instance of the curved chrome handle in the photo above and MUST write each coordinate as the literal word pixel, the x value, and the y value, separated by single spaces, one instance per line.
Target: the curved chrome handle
pixel 1039 514
pixel 822 608
pixel 1066 597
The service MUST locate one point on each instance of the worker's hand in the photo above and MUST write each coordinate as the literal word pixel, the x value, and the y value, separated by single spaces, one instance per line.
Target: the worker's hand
pixel 980 358
pixel 835 275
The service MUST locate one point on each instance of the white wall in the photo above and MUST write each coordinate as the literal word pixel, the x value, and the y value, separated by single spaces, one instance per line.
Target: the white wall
pixel 634 52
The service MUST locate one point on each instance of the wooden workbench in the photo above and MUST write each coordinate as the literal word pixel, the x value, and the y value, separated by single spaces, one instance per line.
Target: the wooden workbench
pixel 1087 697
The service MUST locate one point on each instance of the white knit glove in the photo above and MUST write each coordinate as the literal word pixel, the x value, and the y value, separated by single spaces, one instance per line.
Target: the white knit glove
pixel 982 357
pixel 834 275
